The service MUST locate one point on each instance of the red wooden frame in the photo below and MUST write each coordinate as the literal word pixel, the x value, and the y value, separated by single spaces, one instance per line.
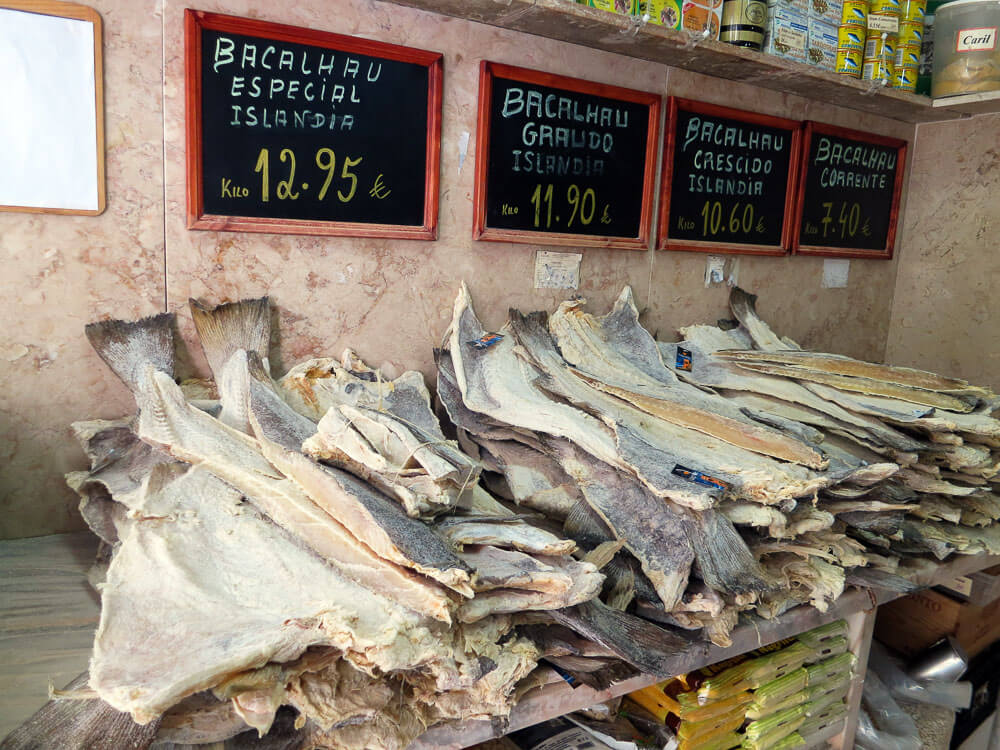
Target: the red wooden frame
pixel 842 252
pixel 482 232
pixel 664 241
pixel 196 20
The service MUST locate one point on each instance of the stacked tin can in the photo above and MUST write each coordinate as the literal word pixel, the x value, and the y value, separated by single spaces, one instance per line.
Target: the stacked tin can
pixel 911 34
pixel 881 41
pixel 851 37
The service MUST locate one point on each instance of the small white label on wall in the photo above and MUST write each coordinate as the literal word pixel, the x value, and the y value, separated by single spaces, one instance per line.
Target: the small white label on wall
pixel 463 149
pixel 835 271
pixel 715 270
pixel 557 270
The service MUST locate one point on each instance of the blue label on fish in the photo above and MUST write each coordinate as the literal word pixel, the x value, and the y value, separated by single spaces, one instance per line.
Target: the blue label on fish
pixel 485 341
pixel 699 478
pixel 683 361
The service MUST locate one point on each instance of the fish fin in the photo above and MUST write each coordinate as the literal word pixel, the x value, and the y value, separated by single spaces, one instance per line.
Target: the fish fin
pixel 585 527
pixel 725 560
pixel 226 328
pixel 741 302
pixel 128 347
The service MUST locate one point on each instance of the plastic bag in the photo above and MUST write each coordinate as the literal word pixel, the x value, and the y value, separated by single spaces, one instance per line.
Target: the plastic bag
pixel 817 636
pixel 757 712
pixel 727 708
pixel 882 724
pixel 725 741
pixel 950 694
pixel 822 720
pixel 777 690
pixel 832 669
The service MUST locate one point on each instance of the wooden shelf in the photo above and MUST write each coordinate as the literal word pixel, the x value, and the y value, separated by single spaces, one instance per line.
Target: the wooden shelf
pixel 627 35
pixel 987 102
pixel 558 698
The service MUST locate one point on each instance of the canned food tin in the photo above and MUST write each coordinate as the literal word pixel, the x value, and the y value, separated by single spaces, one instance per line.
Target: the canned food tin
pixel 907 56
pixel 905 79
pixel 743 23
pixel 885 7
pixel 877 70
pixel 851 37
pixel 879 46
pixel 913 10
pixel 855 13
pixel 911 33
pixel 849 62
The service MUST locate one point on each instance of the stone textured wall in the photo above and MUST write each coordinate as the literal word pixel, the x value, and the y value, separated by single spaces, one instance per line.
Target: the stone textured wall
pixel 388 299
pixel 946 310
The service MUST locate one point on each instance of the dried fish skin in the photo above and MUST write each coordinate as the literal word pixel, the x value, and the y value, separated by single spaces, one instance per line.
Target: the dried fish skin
pixel 838 364
pixel 498 568
pixel 517 536
pixel 128 348
pixel 221 620
pixel 652 529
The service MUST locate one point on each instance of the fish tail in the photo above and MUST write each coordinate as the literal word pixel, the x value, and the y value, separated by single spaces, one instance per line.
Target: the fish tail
pixel 128 347
pixel 725 561
pixel 226 328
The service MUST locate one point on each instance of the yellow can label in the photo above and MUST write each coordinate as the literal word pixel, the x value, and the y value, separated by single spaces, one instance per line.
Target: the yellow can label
pixel 911 33
pixel 851 37
pixel 907 56
pixel 625 7
pixel 849 62
pixel 905 79
pixel 878 46
pixel 877 70
pixel 885 7
pixel 855 13
pixel 662 12
pixel 913 10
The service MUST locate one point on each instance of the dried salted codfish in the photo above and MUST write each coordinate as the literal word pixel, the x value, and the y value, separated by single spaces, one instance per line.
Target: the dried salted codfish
pixel 197 538
pixel 498 568
pixel 516 535
pixel 837 364
pixel 533 478
pixel 617 355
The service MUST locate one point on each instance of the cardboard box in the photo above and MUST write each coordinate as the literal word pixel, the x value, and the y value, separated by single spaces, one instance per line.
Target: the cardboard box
pixel 822 49
pixel 826 11
pixel 666 13
pixel 914 622
pixel 787 34
pixel 797 6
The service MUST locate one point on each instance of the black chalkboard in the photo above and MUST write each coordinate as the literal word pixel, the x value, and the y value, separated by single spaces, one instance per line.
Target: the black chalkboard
pixel 563 161
pixel 850 191
pixel 729 179
pixel 308 132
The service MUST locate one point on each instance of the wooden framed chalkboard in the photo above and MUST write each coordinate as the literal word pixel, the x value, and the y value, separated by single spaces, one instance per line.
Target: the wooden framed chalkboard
pixel 562 161
pixel 850 188
pixel 297 131
pixel 729 180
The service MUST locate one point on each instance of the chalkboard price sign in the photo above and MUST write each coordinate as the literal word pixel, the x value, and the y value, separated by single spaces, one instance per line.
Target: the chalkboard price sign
pixel 729 180
pixel 850 190
pixel 298 131
pixel 561 161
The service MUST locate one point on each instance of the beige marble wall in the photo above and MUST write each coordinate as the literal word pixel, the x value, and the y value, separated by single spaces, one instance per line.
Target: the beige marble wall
pixel 946 313
pixel 60 272
pixel 389 299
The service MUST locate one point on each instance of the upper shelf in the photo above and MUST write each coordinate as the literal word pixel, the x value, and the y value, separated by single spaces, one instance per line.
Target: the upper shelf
pixel 626 35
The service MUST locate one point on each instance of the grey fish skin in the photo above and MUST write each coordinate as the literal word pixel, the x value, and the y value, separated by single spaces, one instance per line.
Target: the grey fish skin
pixel 127 348
pixel 373 518
pixel 640 643
pixel 653 530
pixel 80 725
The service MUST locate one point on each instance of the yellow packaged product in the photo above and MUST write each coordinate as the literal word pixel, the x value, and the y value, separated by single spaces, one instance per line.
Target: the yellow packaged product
pixel 905 79
pixel 702 731
pixel 725 707
pixel 666 13
pixel 849 62
pixel 911 33
pixel 880 47
pixel 724 741
pixel 622 7
pixel 855 13
pixel 851 38
pixel 885 7
pixel 913 10
pixel 654 700
pixel 698 19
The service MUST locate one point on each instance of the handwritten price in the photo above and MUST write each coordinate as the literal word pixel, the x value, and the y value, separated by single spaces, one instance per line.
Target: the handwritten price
pixel 582 206
pixel 288 189
pixel 743 220
pixel 848 219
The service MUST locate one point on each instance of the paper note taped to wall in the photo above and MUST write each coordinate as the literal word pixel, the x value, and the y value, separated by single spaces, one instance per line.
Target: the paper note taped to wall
pixel 48 122
pixel 557 270
pixel 835 272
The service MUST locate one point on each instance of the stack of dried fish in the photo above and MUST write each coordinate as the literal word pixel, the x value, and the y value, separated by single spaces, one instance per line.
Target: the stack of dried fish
pixel 729 484
pixel 316 557
pixel 353 569
pixel 923 449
